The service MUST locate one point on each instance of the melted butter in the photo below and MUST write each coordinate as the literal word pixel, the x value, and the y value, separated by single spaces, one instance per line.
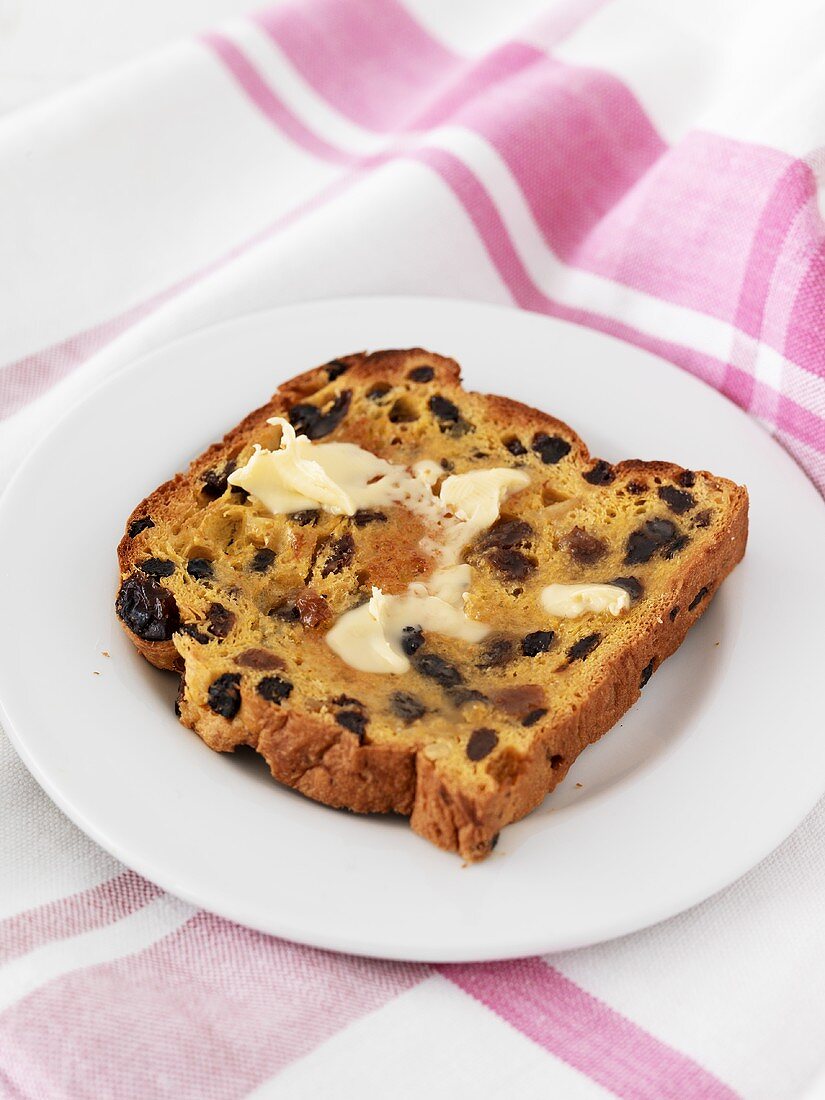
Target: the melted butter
pixel 475 500
pixel 568 601
pixel 368 638
pixel 428 471
pixel 341 478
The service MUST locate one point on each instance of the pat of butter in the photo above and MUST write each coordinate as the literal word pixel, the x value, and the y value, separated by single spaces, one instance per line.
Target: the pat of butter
pixel 368 638
pixel 476 498
pixel 568 601
pixel 338 477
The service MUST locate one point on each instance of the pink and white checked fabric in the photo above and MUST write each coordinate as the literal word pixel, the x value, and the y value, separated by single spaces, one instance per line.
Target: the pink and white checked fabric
pixel 650 170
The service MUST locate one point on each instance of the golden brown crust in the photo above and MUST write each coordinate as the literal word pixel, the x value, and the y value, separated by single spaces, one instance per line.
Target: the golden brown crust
pixel 327 762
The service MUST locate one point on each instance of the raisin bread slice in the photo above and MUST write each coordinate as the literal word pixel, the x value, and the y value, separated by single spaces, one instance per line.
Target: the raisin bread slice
pixel 238 601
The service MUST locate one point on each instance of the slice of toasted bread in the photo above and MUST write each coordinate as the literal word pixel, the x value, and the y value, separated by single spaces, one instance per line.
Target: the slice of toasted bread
pixel 238 600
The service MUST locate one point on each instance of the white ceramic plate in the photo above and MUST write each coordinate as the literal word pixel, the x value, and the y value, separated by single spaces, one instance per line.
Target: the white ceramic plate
pixel 715 765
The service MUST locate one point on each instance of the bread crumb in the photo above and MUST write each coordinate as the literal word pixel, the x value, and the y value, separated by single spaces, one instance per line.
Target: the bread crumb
pixel 105 653
pixel 95 674
pixel 580 785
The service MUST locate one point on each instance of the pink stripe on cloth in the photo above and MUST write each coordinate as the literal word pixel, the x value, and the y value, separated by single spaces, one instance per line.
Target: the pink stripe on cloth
pixel 27 379
pixel 212 1010
pixel 250 80
pixel 793 190
pixel 492 231
pixel 805 343
pixel 349 50
pixel 698 225
pixel 472 79
pixel 685 233
pixel 70 916
pixel 576 141
pixel 585 1032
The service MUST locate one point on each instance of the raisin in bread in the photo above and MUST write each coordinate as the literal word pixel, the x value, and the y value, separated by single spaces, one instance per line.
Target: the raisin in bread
pixel 238 600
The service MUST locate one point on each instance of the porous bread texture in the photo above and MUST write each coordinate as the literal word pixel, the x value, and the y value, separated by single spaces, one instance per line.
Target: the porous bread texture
pixel 474 736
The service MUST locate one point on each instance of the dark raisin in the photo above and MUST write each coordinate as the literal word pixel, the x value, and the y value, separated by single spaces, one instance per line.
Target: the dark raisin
pixel 632 586
pixel 306 517
pixel 138 525
pixel 534 716
pixel 421 374
pixel 480 454
pixel 287 611
pixel 262 559
pixel 647 672
pixel 506 533
pixel 224 695
pixel 515 446
pixel 512 564
pixel 260 659
pixel 550 448
pixel 601 473
pixel 556 760
pixel 447 464
pixel 443 409
pixel 584 548
pixel 365 516
pixel 274 689
pixel 199 568
pixel 412 639
pixel 147 609
pixel 462 695
pixel 640 548
pixel 315 423
pixel 539 641
pixel 583 647
pixel 697 599
pixel 496 653
pixel 353 721
pixel 214 482
pixel 347 701
pixel 341 554
pixel 220 619
pixel 674 611
pixel 379 390
pixel 406 706
pixel 661 530
pixel 192 631
pixel 637 487
pixel 673 548
pixel 335 368
pixel 677 500
pixel 643 543
pixel 519 699
pixel 157 567
pixel 481 743
pixel 687 479
pixel 702 519
pixel 436 668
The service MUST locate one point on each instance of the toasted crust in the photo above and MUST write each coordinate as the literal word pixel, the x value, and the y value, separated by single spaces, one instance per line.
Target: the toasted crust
pixel 332 764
